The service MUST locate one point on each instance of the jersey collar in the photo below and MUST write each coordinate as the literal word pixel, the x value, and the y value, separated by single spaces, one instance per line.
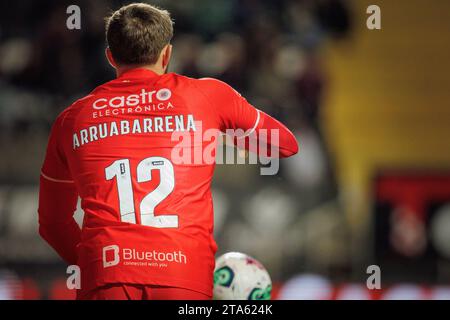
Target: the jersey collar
pixel 138 73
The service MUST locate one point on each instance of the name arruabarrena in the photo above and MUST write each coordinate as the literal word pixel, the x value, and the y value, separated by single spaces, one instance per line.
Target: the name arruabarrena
pixel 175 123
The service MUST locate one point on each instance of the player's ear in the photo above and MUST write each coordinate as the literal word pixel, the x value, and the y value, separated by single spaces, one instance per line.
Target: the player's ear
pixel 110 58
pixel 167 53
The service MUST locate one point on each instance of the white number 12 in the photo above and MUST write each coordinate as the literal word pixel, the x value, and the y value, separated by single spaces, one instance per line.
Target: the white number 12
pixel 121 170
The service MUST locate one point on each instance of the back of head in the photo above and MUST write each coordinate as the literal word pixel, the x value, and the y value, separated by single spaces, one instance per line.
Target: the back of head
pixel 137 33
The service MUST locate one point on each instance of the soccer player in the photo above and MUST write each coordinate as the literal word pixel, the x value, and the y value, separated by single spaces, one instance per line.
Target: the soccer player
pixel 148 223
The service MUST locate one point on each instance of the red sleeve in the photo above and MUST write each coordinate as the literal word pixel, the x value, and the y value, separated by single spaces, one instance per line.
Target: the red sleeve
pixel 57 200
pixel 234 112
pixel 276 136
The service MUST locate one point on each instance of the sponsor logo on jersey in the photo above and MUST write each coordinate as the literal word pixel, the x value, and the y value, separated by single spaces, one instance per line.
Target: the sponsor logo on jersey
pixel 113 255
pixel 133 100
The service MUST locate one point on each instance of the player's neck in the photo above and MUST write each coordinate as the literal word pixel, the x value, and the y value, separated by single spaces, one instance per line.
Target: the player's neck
pixel 156 69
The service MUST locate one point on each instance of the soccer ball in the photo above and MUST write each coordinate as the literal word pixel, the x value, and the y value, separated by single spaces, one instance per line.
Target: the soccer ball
pixel 240 277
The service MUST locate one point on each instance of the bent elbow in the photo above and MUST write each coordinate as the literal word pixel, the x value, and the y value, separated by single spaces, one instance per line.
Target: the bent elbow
pixel 291 148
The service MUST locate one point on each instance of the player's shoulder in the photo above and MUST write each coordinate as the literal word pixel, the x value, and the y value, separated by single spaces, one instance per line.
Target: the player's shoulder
pixel 209 82
pixel 206 85
pixel 77 104
pixel 73 108
pixel 212 86
pixel 88 98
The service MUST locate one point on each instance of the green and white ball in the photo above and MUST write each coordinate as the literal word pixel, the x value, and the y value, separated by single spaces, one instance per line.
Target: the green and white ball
pixel 238 276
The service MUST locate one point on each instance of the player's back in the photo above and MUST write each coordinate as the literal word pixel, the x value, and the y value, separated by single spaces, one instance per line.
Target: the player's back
pixel 134 156
pixel 140 150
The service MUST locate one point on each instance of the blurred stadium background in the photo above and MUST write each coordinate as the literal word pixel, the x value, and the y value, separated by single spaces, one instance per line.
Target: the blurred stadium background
pixel 371 109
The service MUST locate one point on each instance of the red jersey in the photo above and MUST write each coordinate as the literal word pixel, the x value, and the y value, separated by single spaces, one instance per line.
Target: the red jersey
pixel 148 214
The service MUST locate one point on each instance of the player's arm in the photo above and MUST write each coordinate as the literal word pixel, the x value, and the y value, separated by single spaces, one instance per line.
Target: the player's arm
pixel 234 112
pixel 57 201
